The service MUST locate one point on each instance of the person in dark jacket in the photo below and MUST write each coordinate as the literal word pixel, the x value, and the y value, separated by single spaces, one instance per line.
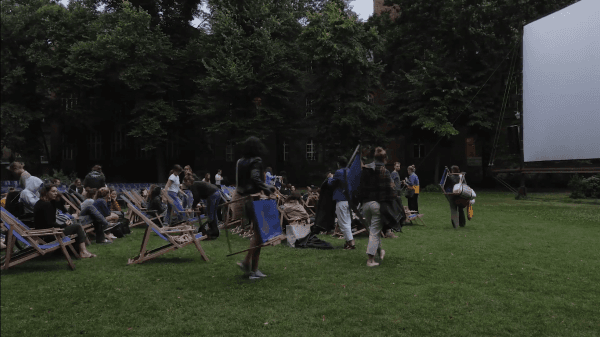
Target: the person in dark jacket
pixel 376 186
pixel 76 186
pixel 45 218
pixel 156 206
pixel 250 180
pixel 203 190
pixel 94 179
pixel 342 209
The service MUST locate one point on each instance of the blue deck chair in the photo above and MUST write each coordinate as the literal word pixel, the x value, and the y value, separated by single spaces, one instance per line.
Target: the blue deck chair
pixel 167 234
pixel 32 239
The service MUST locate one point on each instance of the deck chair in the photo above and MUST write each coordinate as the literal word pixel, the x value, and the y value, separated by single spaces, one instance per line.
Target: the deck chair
pixel 413 215
pixel 134 220
pixel 32 239
pixel 189 216
pixel 176 238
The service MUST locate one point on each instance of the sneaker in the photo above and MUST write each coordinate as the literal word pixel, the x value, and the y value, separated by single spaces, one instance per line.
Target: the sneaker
pixel 245 268
pixel 253 276
pixel 259 274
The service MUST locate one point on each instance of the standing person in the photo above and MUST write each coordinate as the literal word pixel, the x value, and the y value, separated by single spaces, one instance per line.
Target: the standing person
pixel 45 218
pixel 94 179
pixel 342 210
pixel 457 213
pixel 203 190
pixel 18 169
pixel 188 170
pixel 376 186
pixel 172 188
pixel 249 180
pixel 395 175
pixel 412 194
pixel 218 178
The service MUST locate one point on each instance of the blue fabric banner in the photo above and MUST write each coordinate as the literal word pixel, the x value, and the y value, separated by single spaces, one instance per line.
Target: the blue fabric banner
pixel 267 218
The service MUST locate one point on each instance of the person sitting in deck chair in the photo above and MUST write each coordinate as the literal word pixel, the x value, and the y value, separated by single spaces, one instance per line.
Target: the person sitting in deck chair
pixel 22 175
pixel 31 194
pixel 156 205
pixel 294 211
pixel 45 218
pixel 100 224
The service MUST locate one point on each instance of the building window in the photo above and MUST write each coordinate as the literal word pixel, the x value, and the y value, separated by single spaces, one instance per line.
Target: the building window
pixel 309 105
pixel 286 151
pixel 69 103
pixel 310 151
pixel 229 151
pixel 68 149
pixel 419 150
pixel 95 145
pixel 117 144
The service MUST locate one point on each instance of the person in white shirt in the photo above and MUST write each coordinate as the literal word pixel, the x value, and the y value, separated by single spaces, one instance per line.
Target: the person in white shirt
pixel 218 178
pixel 172 188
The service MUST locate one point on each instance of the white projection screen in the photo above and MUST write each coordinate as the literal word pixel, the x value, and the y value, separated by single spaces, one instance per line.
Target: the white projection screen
pixel 561 84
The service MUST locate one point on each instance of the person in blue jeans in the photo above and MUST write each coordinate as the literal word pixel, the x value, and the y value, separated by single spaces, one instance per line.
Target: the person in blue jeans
pixel 172 188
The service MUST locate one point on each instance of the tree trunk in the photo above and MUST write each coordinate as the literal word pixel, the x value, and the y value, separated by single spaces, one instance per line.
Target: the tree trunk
pixel 160 165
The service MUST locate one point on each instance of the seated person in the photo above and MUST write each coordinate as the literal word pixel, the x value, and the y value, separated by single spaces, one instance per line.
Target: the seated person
pixel 286 189
pixel 203 190
pixel 294 211
pixel 76 186
pixel 45 218
pixel 30 195
pixel 22 175
pixel 100 224
pixel 156 206
pixel 115 208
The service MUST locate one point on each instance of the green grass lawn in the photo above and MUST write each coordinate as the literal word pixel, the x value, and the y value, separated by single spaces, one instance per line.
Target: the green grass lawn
pixel 519 268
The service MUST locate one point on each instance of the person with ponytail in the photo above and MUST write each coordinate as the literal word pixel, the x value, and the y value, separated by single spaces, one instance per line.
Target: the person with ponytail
pixel 172 188
pixel 44 213
pixel 250 180
pixel 412 183
pixel 376 186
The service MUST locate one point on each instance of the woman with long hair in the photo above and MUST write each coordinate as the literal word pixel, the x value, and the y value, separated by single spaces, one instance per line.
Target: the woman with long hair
pixel 44 217
pixel 172 188
pixel 250 180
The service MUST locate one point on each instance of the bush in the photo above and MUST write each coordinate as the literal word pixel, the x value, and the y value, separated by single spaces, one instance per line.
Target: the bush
pixel 64 179
pixel 432 188
pixel 585 187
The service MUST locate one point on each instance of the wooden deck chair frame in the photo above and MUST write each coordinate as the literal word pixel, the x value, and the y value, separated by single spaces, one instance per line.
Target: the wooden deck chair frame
pixel 445 176
pixel 228 220
pixel 32 239
pixel 185 213
pixel 413 215
pixel 166 234
pixel 134 220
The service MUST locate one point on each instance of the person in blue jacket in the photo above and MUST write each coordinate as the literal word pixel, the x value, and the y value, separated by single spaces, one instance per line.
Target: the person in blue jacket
pixel 342 210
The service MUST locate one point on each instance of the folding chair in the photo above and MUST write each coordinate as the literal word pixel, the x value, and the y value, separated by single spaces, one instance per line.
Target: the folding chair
pixel 413 215
pixel 179 210
pixel 32 239
pixel 177 238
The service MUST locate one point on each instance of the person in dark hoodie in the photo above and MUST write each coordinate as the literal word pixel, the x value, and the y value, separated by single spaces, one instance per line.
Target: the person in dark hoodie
pixel 250 180
pixel 203 190
pixel 376 186
pixel 94 179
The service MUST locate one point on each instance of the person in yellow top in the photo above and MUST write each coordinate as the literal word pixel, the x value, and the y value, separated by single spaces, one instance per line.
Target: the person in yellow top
pixel 412 182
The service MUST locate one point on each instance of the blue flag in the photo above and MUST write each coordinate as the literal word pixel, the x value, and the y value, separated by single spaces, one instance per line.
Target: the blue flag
pixel 354 173
pixel 267 217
